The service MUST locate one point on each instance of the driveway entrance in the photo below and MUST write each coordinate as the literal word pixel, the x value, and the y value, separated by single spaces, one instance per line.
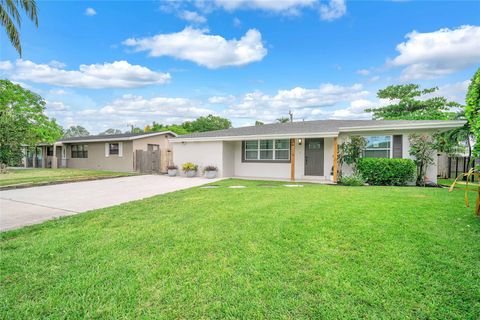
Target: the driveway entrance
pixel 28 206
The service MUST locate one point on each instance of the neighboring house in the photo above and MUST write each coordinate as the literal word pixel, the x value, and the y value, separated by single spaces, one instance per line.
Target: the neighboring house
pixel 114 152
pixel 298 150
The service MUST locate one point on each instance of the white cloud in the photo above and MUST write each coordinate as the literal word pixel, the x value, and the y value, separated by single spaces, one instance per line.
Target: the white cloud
pixel 58 92
pixel 6 65
pixel 356 110
pixel 57 64
pixel 118 74
pixel 237 23
pixel 90 12
pixel 208 50
pixel 363 72
pixel 192 16
pixel 130 109
pixel 452 91
pixel 434 54
pixel 333 10
pixel 291 7
pixel 221 99
pixel 305 103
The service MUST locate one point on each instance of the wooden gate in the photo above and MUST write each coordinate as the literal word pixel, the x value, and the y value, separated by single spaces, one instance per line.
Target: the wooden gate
pixel 147 161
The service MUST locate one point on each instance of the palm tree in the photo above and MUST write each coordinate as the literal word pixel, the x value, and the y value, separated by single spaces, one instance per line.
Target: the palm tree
pixel 10 18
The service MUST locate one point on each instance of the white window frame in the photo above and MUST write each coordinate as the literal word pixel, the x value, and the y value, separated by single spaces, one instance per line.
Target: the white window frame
pixel 274 149
pixel 390 150
pixel 120 149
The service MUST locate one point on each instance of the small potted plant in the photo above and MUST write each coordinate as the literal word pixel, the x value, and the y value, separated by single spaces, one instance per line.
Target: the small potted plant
pixel 190 169
pixel 210 172
pixel 172 170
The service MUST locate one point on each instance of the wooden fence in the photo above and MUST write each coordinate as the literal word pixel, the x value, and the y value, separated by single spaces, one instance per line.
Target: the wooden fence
pixel 451 167
pixel 152 161
pixel 147 161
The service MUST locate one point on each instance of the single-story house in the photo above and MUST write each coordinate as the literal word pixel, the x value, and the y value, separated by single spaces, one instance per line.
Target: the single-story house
pixel 114 152
pixel 299 150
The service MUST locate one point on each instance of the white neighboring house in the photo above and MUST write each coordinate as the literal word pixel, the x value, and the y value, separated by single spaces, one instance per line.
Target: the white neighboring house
pixel 299 150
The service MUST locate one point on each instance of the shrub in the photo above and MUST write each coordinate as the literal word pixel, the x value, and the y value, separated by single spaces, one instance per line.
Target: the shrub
pixel 353 180
pixel 210 168
pixel 387 172
pixel 189 167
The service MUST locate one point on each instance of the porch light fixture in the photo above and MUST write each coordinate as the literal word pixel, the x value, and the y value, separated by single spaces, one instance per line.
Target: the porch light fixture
pixel 300 141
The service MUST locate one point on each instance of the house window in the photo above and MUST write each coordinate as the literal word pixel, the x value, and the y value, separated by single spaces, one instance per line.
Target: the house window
pixel 49 151
pixel 267 150
pixel 378 147
pixel 79 151
pixel 113 148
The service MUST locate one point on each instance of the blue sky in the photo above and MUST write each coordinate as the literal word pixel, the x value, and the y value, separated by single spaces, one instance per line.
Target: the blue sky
pixel 111 64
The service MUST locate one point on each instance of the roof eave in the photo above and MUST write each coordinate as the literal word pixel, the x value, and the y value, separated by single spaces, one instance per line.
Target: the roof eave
pixel 258 136
pixel 406 126
pixel 147 135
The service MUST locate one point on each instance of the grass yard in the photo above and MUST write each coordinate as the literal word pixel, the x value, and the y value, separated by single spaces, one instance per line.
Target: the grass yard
pixel 32 177
pixel 460 184
pixel 265 251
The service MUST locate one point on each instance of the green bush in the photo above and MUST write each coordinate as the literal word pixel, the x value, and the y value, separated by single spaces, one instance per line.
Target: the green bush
pixel 353 180
pixel 188 166
pixel 387 172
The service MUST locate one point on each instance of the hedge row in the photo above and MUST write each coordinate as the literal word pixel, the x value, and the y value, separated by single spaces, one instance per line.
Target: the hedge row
pixel 387 172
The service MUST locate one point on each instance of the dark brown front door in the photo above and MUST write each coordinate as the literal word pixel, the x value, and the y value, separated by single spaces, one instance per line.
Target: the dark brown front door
pixel 314 157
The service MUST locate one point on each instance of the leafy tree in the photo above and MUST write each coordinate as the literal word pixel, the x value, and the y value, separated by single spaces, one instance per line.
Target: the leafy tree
pixel 283 120
pixel 472 109
pixel 422 149
pixel 405 104
pixel 22 122
pixel 208 123
pixel 259 123
pixel 11 18
pixel 111 131
pixel 349 152
pixel 76 131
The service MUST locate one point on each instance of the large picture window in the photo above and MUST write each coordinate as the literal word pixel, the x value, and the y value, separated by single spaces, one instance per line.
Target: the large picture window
pixel 378 147
pixel 267 150
pixel 79 151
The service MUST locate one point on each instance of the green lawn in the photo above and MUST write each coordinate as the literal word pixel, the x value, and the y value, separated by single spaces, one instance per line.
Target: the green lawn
pixel 460 184
pixel 265 251
pixel 27 177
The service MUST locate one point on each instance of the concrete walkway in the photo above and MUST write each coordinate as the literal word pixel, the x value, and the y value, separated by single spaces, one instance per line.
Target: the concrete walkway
pixel 28 206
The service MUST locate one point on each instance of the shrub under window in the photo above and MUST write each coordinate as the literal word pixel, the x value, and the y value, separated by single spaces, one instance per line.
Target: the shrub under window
pixel 387 172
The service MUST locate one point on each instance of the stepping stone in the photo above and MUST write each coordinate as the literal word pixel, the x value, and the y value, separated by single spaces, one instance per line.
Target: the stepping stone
pixel 237 187
pixel 209 187
pixel 293 185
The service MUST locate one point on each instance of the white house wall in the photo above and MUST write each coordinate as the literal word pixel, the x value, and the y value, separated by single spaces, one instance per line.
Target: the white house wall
pixel 199 153
pixel 431 170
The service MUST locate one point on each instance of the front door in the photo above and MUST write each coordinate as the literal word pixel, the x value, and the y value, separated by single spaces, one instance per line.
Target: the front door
pixel 314 157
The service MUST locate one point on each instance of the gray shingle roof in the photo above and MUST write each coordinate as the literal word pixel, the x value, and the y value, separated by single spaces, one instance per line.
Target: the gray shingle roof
pixel 111 137
pixel 306 127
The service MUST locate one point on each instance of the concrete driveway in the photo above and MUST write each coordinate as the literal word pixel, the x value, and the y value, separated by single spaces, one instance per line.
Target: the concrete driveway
pixel 23 207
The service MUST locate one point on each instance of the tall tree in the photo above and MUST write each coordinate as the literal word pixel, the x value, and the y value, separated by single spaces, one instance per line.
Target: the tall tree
pixel 408 102
pixel 208 123
pixel 22 122
pixel 11 18
pixel 76 131
pixel 259 123
pixel 472 109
